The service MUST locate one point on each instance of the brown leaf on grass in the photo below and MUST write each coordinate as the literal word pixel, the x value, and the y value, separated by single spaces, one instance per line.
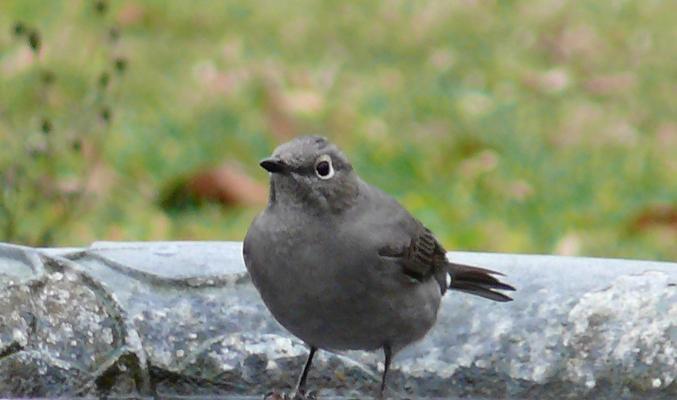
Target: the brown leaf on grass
pixel 611 84
pixel 442 59
pixel 16 62
pixel 666 135
pixel 303 101
pixel 97 182
pixel 483 162
pixel 100 180
pixel 226 184
pixel 569 245
pixel 589 124
pixel 551 82
pixel 655 215
pixel 280 122
pixel 131 13
pixel 519 190
pixel 666 141
pixel 573 42
pixel 218 82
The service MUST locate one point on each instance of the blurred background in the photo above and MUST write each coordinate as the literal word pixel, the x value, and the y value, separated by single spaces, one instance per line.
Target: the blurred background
pixel 543 126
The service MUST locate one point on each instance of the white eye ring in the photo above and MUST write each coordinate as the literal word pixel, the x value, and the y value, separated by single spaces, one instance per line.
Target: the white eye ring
pixel 324 158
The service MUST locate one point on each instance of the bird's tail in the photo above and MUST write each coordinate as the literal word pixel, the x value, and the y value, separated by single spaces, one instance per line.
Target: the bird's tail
pixel 477 281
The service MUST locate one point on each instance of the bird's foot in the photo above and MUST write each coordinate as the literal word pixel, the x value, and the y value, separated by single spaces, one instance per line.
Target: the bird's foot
pixel 274 395
pixel 312 395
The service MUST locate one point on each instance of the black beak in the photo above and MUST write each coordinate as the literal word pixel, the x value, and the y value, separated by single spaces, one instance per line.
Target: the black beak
pixel 273 165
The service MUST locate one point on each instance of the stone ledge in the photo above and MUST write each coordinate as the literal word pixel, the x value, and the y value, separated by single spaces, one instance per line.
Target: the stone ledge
pixel 181 318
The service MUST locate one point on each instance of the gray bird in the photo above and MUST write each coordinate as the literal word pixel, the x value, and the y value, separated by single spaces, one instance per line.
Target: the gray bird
pixel 341 264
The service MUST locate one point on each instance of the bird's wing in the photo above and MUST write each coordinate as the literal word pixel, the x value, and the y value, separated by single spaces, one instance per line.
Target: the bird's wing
pixel 420 256
pixel 415 249
pixel 425 257
pixel 399 238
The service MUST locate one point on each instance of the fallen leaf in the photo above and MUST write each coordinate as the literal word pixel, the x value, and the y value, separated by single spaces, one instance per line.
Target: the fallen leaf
pixel 552 81
pixel 655 215
pixel 280 122
pixel 569 245
pixel 226 184
pixel 131 13
pixel 612 84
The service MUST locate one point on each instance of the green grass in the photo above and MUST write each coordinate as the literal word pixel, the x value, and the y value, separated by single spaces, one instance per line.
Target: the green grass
pixel 533 126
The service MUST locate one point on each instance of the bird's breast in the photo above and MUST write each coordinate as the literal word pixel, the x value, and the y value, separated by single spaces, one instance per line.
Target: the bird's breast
pixel 327 289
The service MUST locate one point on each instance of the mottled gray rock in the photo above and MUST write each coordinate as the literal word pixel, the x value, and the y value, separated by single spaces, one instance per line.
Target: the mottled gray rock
pixel 182 318
pixel 63 332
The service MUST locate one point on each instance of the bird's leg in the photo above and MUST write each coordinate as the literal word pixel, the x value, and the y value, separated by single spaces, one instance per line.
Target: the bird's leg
pixel 301 384
pixel 387 350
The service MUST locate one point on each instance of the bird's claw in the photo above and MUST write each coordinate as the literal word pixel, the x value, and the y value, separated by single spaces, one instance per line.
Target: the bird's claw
pixel 301 395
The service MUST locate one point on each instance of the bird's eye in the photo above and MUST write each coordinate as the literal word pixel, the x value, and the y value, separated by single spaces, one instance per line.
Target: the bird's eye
pixel 323 167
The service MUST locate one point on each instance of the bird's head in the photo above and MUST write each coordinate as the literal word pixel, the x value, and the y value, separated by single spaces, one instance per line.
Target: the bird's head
pixel 312 173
